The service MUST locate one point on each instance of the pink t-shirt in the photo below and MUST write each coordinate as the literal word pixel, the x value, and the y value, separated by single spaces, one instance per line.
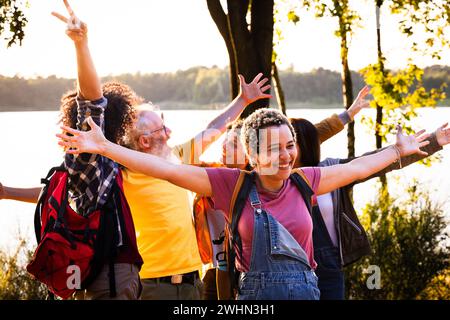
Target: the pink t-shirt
pixel 286 206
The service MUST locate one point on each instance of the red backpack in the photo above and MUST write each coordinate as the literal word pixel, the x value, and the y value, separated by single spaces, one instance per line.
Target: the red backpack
pixel 69 243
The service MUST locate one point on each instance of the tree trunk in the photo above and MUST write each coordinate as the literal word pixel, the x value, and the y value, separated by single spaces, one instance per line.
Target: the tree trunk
pixel 222 21
pixel 379 119
pixel 249 46
pixel 347 93
pixel 278 89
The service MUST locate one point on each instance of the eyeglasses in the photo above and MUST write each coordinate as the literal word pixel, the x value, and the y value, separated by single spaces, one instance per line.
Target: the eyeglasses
pixel 159 129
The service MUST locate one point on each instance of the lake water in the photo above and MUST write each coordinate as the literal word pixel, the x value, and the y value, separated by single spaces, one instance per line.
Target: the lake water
pixel 29 148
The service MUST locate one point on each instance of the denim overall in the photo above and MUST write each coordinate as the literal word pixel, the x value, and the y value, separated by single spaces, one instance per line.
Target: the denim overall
pixel 327 256
pixel 279 268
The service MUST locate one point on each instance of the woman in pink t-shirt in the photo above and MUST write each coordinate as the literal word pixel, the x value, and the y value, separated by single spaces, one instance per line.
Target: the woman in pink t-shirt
pixel 276 261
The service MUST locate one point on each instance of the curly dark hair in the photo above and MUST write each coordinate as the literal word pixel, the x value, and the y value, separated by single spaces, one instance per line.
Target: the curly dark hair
pixel 235 125
pixel 120 112
pixel 261 119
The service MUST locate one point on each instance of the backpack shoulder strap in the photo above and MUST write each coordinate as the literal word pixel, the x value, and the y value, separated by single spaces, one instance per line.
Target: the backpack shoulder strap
pixel 303 185
pixel 42 197
pixel 239 197
pixel 237 203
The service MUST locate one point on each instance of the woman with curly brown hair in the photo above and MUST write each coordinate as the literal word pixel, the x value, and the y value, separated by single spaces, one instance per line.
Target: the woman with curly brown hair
pixel 276 256
pixel 119 115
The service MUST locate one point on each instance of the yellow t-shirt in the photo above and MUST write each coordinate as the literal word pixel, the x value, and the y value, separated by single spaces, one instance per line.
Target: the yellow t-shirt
pixel 162 215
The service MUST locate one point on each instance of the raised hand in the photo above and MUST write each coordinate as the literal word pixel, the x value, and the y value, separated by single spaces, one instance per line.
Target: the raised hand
pixel 76 29
pixel 443 135
pixel 359 103
pixel 254 90
pixel 408 145
pixel 91 141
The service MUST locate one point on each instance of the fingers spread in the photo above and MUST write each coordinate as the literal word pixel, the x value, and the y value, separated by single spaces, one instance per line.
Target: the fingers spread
pixel 423 137
pixel 364 92
pixel 64 143
pixel 70 130
pixel 419 133
pixel 68 7
pixel 60 17
pixel 262 82
pixel 257 78
pixel 265 88
pixel 65 137
pixel 241 79
pixel 91 123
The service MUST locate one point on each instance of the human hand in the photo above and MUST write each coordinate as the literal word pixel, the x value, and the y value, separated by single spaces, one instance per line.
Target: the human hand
pixel 254 90
pixel 411 144
pixel 76 29
pixel 92 141
pixel 359 103
pixel 443 135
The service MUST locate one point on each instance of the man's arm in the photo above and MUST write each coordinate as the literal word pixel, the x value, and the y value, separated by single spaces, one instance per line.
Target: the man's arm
pixel 248 93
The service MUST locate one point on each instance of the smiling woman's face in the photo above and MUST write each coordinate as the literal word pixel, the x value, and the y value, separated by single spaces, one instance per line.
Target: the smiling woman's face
pixel 277 152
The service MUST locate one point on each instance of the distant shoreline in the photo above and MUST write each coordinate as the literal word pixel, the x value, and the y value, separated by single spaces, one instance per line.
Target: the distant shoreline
pixel 215 106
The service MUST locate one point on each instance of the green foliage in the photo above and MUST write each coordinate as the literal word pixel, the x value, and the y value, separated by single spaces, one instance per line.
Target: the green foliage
pixel 348 18
pixel 438 288
pixel 410 246
pixel 400 94
pixel 15 282
pixel 424 16
pixel 12 21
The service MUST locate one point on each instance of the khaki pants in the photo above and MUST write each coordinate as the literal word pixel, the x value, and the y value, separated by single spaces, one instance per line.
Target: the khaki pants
pixel 128 286
pixel 156 290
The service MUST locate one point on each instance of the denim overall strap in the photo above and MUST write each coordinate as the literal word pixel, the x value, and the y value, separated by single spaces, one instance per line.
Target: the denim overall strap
pixel 270 238
pixel 277 268
pixel 254 200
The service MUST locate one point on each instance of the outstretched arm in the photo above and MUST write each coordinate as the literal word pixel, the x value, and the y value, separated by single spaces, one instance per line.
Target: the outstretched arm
pixel 340 175
pixel 90 176
pixel 331 126
pixel 20 194
pixel 89 85
pixel 248 93
pixel 93 141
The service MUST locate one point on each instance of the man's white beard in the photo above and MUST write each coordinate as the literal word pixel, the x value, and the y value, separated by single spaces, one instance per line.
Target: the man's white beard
pixel 166 153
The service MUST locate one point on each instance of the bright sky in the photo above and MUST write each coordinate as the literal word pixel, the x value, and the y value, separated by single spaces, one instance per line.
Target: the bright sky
pixel 166 35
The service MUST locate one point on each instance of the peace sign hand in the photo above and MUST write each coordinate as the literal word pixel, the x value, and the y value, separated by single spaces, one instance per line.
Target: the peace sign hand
pixel 76 29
